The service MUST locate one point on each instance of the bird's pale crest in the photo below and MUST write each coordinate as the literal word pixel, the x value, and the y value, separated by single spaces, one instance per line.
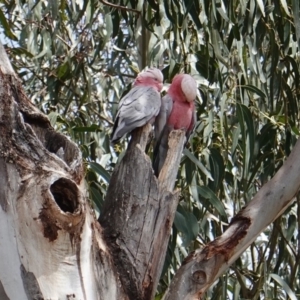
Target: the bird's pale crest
pixel 153 73
pixel 189 87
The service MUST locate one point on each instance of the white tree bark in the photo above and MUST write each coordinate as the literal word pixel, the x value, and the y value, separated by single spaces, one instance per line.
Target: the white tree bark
pixel 50 241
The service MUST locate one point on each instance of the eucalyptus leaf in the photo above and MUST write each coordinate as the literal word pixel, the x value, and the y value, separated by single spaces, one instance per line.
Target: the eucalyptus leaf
pixel 100 170
pixel 208 194
pixel 285 286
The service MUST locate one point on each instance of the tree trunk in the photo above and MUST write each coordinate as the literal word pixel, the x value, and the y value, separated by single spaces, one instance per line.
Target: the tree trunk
pixel 138 215
pixel 51 245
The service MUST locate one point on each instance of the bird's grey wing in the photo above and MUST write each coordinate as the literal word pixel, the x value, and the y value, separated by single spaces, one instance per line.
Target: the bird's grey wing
pixel 162 117
pixel 136 109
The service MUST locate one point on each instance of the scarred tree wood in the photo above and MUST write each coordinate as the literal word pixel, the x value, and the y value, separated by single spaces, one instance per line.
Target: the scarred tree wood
pixel 138 214
pixel 50 243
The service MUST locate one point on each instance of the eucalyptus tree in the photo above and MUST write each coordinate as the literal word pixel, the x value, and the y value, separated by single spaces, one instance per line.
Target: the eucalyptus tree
pixel 77 58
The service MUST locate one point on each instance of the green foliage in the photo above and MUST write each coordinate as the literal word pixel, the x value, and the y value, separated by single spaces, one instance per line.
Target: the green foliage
pixel 77 58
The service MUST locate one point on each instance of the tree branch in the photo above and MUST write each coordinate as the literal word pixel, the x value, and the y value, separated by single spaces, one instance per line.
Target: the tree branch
pixel 120 7
pixel 202 267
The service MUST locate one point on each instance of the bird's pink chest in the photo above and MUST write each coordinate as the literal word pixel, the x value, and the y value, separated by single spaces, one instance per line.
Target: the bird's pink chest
pixel 181 115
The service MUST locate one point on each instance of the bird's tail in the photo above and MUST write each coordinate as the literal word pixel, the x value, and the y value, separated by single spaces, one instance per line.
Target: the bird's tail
pixel 160 151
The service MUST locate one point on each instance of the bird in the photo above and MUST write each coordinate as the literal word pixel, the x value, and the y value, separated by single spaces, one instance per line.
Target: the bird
pixel 177 112
pixel 140 105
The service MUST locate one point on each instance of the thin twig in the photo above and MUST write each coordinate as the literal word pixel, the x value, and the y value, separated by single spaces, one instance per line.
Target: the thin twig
pixel 120 7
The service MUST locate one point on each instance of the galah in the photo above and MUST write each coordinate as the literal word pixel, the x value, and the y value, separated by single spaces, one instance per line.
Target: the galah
pixel 177 112
pixel 140 105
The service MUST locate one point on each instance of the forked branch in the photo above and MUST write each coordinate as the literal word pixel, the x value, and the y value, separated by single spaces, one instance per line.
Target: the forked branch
pixel 138 214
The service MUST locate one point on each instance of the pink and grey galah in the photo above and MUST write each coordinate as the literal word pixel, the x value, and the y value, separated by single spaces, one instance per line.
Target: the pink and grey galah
pixel 140 105
pixel 177 112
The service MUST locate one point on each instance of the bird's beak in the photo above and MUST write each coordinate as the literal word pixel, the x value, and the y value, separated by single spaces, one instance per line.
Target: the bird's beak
pixel 160 86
